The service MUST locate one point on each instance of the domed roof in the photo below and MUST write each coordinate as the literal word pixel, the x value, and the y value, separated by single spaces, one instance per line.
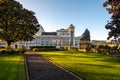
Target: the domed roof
pixel 71 25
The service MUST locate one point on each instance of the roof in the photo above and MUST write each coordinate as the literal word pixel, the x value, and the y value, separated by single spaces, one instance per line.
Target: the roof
pixel 49 33
pixel 62 29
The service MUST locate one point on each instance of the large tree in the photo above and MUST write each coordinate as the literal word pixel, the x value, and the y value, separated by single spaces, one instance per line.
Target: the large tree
pixel 113 7
pixel 16 22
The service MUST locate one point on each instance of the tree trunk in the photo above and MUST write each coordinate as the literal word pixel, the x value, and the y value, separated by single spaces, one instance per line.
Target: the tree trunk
pixel 9 43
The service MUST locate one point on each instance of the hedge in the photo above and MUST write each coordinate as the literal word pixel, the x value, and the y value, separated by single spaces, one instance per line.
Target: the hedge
pixel 43 48
pixel 12 51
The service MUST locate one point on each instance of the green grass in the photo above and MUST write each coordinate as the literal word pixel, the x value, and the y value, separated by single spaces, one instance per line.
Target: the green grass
pixel 12 67
pixel 89 66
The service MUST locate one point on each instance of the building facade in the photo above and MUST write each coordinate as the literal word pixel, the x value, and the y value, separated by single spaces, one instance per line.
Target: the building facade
pixel 61 38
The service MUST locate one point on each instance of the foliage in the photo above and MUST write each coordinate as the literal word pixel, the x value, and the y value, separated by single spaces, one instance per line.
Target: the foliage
pixel 114 47
pixel 9 50
pixel 43 48
pixel 93 46
pixel 21 50
pixel 1 47
pixel 104 47
pixel 113 7
pixel 89 66
pixel 16 22
pixel 86 35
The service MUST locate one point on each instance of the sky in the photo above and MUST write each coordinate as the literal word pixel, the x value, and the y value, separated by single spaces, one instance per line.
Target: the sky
pixel 56 14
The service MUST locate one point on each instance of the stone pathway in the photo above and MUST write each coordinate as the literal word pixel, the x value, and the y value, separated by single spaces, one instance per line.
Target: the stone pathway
pixel 41 69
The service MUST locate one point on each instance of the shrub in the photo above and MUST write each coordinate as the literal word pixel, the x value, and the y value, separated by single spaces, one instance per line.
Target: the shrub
pixel 9 50
pixel 2 47
pixel 31 47
pixel 104 47
pixel 2 51
pixel 43 48
pixel 21 50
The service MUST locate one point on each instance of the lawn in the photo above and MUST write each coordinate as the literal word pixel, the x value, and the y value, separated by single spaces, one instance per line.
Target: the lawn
pixel 12 67
pixel 89 66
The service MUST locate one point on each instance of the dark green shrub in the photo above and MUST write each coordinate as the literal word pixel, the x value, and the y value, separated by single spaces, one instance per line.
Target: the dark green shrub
pixel 31 47
pixel 9 50
pixel 114 47
pixel 43 48
pixel 104 47
pixel 21 50
pixel 93 46
pixel 2 47
pixel 2 51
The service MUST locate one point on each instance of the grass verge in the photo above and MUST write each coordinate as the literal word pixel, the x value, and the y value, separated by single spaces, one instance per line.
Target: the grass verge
pixel 12 67
pixel 89 66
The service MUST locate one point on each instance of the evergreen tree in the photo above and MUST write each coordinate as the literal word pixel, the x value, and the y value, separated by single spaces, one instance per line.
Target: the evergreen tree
pixel 16 22
pixel 86 35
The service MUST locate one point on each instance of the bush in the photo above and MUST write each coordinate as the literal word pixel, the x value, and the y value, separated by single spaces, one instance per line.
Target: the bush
pixel 31 47
pixel 2 47
pixel 2 51
pixel 104 47
pixel 43 48
pixel 21 50
pixel 9 50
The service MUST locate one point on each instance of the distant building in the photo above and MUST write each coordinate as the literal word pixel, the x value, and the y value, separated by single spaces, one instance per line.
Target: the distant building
pixel 60 38
pixel 105 42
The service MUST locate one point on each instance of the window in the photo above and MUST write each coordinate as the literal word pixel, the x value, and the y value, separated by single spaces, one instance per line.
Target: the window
pixel 47 42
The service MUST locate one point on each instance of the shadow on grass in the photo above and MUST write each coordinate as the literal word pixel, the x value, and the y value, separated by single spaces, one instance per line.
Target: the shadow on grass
pixel 11 67
pixel 96 65
pixel 100 76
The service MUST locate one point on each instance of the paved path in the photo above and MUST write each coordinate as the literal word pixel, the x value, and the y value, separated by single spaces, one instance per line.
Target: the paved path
pixel 41 69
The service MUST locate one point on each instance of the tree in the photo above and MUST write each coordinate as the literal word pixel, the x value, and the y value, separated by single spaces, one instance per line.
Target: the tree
pixel 113 7
pixel 16 22
pixel 86 35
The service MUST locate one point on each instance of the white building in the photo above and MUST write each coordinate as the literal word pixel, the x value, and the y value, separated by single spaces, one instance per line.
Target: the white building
pixel 60 38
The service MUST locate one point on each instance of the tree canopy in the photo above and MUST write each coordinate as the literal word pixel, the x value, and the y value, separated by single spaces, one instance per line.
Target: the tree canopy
pixel 113 7
pixel 86 35
pixel 16 22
